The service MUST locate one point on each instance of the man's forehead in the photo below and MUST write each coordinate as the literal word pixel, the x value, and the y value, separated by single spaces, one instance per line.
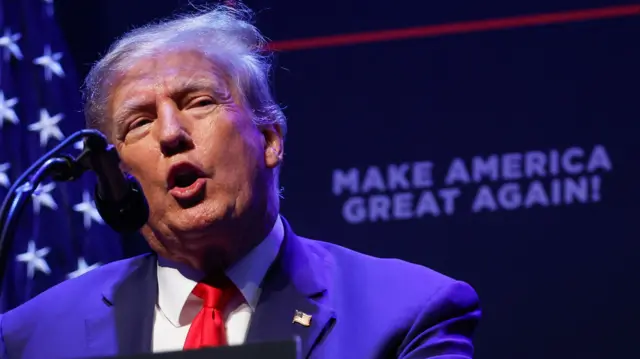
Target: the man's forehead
pixel 169 84
pixel 145 89
pixel 172 71
pixel 170 77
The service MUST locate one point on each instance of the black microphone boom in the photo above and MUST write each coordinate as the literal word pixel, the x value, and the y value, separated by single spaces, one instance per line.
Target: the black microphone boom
pixel 4 209
pixel 60 168
pixel 118 197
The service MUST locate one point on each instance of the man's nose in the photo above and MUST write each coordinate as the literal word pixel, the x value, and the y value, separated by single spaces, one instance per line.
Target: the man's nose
pixel 174 136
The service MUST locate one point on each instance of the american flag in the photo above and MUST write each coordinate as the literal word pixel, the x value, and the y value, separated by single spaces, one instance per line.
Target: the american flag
pixel 61 234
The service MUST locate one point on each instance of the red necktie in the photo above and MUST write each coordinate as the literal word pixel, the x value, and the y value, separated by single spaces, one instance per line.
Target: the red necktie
pixel 208 327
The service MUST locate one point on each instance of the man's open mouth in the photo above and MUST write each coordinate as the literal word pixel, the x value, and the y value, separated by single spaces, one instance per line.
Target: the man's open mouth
pixel 183 175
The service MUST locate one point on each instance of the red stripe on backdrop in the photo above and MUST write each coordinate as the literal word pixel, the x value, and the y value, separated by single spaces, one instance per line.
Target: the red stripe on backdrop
pixel 456 28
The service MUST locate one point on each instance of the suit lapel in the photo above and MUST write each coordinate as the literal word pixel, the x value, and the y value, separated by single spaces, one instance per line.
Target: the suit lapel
pixel 127 305
pixel 297 281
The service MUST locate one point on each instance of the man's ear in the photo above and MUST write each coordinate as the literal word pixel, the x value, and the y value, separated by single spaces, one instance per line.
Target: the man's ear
pixel 273 145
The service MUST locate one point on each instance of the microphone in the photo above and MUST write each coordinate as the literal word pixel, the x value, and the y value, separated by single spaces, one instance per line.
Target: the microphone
pixel 118 196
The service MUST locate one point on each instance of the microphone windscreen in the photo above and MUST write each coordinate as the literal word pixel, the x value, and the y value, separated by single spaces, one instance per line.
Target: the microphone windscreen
pixel 127 215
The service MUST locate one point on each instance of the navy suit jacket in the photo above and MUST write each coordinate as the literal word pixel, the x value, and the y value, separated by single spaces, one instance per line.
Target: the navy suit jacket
pixel 362 307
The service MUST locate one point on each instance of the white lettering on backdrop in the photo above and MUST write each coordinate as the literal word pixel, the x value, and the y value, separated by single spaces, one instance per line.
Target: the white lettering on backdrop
pixel 496 182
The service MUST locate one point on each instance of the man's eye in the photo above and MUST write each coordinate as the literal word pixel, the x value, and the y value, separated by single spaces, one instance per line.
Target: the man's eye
pixel 139 122
pixel 201 102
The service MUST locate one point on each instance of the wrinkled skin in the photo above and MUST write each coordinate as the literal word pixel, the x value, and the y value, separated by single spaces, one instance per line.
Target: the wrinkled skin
pixel 179 106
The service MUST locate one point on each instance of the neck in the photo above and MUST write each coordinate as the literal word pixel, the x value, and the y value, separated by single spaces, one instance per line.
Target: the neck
pixel 242 237
pixel 221 247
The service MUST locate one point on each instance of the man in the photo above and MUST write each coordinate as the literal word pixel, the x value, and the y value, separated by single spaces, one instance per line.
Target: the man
pixel 188 107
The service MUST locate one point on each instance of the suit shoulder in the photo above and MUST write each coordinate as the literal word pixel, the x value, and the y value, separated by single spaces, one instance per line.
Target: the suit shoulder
pixel 402 291
pixel 72 293
pixel 386 273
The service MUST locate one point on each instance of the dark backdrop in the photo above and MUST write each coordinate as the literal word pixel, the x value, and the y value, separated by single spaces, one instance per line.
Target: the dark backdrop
pixel 505 158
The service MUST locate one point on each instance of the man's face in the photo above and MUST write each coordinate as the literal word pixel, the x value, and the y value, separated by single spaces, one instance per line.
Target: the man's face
pixel 184 134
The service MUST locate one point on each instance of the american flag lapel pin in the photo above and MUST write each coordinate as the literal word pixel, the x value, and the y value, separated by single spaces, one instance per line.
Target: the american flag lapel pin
pixel 302 318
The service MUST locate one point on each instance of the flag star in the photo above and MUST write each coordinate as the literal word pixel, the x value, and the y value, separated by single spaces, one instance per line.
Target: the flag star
pixel 48 127
pixel 82 268
pixel 7 113
pixel 88 209
pixel 42 197
pixel 4 178
pixel 50 62
pixel 35 259
pixel 8 41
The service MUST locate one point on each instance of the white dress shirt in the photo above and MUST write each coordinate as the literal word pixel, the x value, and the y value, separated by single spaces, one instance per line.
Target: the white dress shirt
pixel 177 306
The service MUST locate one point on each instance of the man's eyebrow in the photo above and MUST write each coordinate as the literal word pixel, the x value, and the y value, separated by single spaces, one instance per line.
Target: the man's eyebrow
pixel 136 104
pixel 129 107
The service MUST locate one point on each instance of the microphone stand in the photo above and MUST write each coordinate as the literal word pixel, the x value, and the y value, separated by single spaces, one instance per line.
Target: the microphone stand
pixel 37 164
pixel 60 168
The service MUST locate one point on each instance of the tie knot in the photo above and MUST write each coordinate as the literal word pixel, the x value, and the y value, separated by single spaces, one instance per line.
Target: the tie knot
pixel 215 297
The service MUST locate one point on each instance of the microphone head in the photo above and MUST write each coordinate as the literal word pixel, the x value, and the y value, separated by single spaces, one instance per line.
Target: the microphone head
pixel 95 141
pixel 127 215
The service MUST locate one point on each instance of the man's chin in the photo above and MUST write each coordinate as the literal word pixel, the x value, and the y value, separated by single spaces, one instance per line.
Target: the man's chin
pixel 186 226
pixel 195 220
pixel 191 202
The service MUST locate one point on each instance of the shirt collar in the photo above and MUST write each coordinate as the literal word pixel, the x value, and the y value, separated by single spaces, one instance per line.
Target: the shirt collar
pixel 176 281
